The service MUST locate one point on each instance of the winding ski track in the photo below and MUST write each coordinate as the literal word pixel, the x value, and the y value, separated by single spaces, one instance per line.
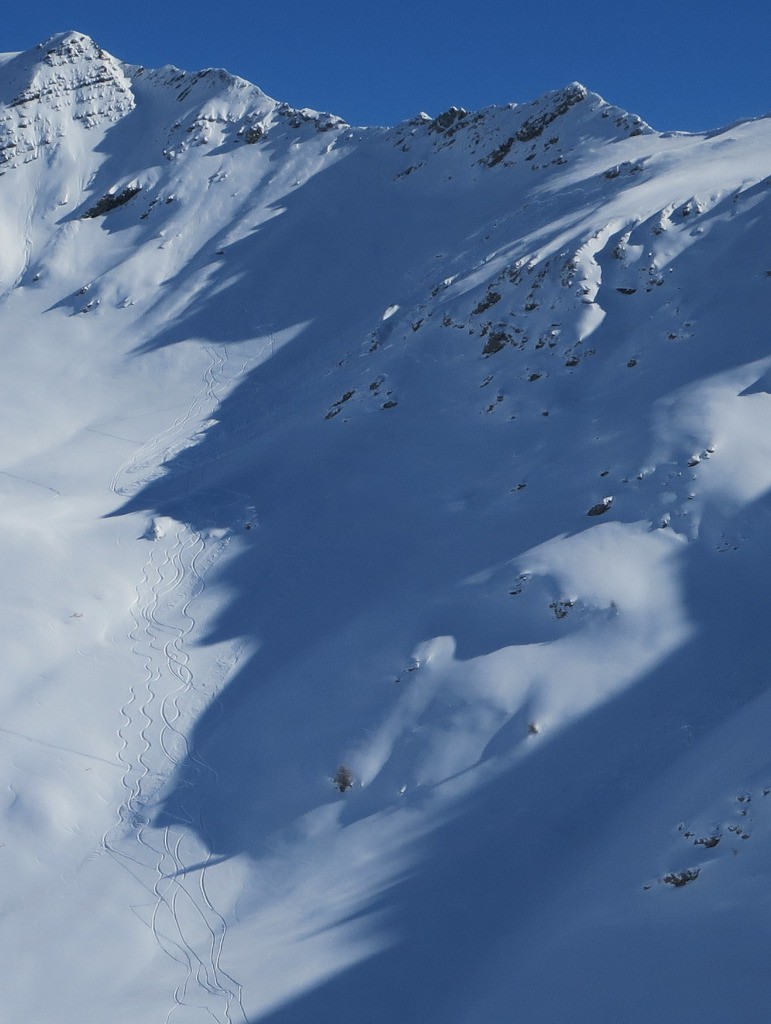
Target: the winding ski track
pixel 156 716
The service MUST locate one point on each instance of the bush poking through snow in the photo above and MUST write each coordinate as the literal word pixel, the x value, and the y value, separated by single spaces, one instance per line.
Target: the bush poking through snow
pixel 344 779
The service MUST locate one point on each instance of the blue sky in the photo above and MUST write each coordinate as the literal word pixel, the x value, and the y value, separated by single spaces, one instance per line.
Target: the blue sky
pixel 681 65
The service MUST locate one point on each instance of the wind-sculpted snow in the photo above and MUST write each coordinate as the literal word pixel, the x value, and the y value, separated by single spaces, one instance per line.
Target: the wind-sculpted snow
pixel 433 458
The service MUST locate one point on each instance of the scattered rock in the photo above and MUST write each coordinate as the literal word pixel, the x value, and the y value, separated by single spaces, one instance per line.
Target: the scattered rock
pixel 498 154
pixel 489 300
pixel 112 201
pixel 340 402
pixel 561 608
pixel 601 507
pixel 448 119
pixel 680 878
pixel 534 126
pixel 710 842
pixel 254 134
pixel 495 342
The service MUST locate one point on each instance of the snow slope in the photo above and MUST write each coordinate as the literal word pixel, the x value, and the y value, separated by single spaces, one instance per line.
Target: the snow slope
pixel 440 451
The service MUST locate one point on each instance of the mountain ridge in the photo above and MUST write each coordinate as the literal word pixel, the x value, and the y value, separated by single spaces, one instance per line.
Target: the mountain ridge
pixel 431 458
pixel 40 78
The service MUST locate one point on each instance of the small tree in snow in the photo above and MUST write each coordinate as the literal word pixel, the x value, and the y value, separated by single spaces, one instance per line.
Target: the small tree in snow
pixel 343 778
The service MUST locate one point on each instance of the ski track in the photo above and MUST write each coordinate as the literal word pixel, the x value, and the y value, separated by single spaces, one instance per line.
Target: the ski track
pixel 147 462
pixel 155 718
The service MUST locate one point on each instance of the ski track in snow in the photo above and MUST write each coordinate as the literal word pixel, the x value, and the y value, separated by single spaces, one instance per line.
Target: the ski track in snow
pixel 153 721
pixel 186 924
pixel 146 463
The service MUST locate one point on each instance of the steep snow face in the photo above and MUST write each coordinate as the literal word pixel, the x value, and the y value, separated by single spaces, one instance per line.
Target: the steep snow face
pixel 385 518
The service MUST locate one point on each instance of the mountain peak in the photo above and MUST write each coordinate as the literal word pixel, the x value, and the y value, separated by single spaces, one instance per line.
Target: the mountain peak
pixel 67 78
pixel 556 103
pixel 71 45
pixel 540 134
pixel 72 63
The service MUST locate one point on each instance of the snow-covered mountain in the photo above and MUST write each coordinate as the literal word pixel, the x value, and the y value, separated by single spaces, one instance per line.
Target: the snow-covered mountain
pixel 440 454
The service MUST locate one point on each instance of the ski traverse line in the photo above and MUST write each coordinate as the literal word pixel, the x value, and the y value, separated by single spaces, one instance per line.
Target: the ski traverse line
pixel 162 447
